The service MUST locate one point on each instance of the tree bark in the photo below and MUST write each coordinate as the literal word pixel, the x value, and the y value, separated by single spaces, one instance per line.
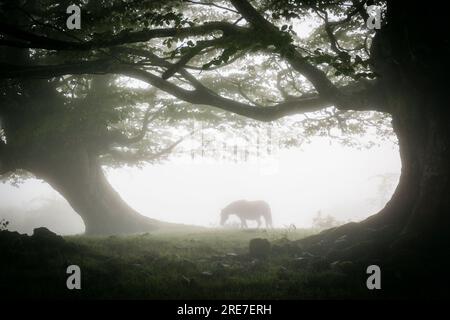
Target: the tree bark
pixel 79 178
pixel 412 66
pixel 420 205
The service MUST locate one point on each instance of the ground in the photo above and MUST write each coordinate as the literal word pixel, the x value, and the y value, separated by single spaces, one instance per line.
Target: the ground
pixel 185 263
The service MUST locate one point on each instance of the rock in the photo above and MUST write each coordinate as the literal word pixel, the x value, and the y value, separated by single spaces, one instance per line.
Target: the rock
pixel 45 235
pixel 207 273
pixel 259 248
pixel 43 232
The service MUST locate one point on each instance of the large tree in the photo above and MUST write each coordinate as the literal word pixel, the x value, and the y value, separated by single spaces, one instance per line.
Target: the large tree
pixel 192 50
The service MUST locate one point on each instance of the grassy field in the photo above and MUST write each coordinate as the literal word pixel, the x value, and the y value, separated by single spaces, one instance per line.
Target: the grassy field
pixel 189 263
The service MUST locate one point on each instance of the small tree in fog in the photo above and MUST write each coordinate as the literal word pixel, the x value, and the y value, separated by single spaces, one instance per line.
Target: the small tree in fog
pixel 324 222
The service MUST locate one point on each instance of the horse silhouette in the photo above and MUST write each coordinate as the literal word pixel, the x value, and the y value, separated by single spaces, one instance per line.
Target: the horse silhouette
pixel 248 210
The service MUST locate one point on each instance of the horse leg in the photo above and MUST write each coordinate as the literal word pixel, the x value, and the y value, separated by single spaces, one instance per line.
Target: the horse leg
pixel 268 222
pixel 243 223
pixel 259 222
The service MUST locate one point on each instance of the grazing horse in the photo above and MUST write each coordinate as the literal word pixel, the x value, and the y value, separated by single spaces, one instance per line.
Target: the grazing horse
pixel 247 210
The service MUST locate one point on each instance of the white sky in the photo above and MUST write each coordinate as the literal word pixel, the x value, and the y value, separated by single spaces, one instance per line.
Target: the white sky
pixel 337 180
pixel 297 183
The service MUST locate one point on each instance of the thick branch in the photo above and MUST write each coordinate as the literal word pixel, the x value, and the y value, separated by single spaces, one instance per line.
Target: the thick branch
pixel 191 54
pixel 253 16
pixel 31 40
pixel 135 157
pixel 357 96
pixel 207 97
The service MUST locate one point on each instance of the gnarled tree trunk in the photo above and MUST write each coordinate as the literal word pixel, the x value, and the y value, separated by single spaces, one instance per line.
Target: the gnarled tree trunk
pixel 79 178
pixel 412 66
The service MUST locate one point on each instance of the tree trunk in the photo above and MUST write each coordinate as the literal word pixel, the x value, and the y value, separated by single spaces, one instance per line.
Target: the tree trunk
pixel 421 204
pixel 79 178
pixel 412 66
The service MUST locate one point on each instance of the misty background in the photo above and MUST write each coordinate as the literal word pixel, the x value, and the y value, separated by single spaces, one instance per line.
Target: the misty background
pixel 344 182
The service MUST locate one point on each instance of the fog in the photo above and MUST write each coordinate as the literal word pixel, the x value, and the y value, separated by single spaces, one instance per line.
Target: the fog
pixel 347 183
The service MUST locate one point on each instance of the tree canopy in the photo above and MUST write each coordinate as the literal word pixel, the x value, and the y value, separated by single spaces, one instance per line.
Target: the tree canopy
pixel 263 60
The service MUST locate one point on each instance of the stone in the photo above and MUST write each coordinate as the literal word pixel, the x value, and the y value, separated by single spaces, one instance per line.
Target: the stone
pixel 43 234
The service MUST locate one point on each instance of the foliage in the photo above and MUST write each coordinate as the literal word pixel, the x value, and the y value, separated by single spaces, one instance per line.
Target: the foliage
pixel 128 121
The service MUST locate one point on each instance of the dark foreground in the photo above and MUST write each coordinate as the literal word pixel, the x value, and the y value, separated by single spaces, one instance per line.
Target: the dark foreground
pixel 201 264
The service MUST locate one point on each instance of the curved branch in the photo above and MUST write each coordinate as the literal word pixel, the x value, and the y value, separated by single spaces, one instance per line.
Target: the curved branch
pixel 359 96
pixel 191 54
pixel 34 41
pixel 134 157
pixel 207 97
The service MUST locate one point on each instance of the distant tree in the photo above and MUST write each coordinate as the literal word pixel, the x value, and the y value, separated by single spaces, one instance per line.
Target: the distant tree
pixel 324 222
pixel 386 186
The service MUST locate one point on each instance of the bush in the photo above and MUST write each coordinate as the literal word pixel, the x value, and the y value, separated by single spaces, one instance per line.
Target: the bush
pixel 325 222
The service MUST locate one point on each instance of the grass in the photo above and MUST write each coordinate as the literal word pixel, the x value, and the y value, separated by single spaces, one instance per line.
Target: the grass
pixel 185 263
